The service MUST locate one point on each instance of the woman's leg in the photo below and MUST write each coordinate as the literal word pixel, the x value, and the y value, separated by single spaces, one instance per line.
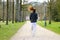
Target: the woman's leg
pixel 33 28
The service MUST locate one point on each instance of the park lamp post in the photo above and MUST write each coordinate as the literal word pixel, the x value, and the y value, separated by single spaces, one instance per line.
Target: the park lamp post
pixel 45 14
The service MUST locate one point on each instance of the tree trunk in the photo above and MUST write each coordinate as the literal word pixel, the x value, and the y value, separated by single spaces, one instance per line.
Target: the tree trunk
pixel 3 10
pixel 50 11
pixel 7 13
pixel 50 15
pixel 20 10
pixel 13 12
pixel 17 11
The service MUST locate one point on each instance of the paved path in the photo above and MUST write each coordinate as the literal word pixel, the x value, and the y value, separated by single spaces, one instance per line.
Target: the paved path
pixel 25 33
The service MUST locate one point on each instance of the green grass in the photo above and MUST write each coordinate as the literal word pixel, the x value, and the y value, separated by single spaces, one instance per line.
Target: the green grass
pixel 55 26
pixel 7 31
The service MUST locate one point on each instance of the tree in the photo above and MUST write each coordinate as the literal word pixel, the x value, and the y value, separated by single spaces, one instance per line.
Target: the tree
pixel 0 1
pixel 50 10
pixel 20 10
pixel 58 9
pixel 0 10
pixel 7 13
pixel 54 10
pixel 13 12
pixel 24 10
pixel 3 9
pixel 17 15
pixel 55 15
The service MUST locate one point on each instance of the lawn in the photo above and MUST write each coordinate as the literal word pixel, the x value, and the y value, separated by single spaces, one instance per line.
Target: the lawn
pixel 7 31
pixel 55 26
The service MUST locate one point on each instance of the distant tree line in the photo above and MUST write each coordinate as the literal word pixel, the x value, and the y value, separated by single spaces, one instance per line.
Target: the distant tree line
pixel 12 11
pixel 54 10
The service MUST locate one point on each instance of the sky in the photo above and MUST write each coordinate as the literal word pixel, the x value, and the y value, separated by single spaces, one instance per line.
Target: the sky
pixel 34 1
pixel 37 0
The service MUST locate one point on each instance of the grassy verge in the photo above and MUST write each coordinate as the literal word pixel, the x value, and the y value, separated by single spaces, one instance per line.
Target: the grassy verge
pixel 6 31
pixel 55 26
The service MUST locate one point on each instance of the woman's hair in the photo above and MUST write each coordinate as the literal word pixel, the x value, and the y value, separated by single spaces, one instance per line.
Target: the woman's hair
pixel 34 10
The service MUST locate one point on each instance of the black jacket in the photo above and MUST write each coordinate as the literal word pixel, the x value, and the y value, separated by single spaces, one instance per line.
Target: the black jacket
pixel 33 17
